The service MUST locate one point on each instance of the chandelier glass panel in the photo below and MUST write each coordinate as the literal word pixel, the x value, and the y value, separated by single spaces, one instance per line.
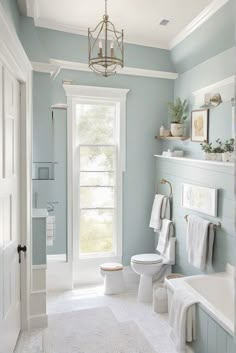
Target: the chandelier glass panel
pixel 106 50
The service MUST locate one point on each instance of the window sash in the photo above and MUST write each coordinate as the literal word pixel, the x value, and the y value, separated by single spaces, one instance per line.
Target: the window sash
pixel 114 208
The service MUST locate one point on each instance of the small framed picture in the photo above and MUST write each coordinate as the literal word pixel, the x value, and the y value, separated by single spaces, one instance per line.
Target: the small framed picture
pixel 200 125
pixel 200 198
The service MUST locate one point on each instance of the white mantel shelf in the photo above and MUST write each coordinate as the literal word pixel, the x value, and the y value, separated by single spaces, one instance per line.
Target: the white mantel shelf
pixel 195 160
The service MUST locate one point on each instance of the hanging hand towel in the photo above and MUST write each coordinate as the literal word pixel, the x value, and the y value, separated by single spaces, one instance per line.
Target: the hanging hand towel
pixel 182 302
pixel 167 231
pixel 200 239
pixel 160 210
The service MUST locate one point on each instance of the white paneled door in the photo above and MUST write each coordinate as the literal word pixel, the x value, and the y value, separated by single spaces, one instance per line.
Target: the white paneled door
pixel 9 210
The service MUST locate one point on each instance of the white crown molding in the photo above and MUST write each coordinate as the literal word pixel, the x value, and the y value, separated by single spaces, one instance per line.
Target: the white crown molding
pixel 43 23
pixel 209 11
pixel 34 11
pixel 69 65
pixel 88 91
pixel 30 5
pixel 46 68
pixel 211 88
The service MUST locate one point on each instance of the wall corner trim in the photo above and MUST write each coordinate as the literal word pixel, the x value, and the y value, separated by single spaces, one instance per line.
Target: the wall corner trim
pixel 54 66
pixel 198 21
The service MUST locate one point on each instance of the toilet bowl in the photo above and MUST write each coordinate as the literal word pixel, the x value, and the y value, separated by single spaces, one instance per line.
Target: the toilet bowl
pixel 150 267
pixel 113 278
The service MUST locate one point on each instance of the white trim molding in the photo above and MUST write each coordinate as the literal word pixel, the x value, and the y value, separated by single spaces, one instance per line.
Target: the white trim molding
pixel 54 66
pixel 224 87
pixel 198 21
pixel 46 68
pixel 15 59
pixel 80 94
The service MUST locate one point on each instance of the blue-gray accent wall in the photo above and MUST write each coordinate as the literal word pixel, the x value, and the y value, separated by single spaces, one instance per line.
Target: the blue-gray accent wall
pixel 213 37
pixel 146 106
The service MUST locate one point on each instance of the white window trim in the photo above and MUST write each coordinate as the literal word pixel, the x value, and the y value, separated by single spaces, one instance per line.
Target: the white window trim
pixel 75 93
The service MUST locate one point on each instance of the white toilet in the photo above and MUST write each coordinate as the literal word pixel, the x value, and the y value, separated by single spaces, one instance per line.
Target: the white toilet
pixel 152 267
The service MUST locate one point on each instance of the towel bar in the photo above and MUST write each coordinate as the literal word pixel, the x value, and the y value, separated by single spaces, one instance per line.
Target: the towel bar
pixel 164 181
pixel 215 226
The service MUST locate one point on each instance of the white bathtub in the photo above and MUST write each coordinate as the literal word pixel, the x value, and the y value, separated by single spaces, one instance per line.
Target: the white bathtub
pixel 215 293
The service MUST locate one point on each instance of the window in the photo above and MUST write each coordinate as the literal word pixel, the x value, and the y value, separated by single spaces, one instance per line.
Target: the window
pixel 96 162
pixel 96 142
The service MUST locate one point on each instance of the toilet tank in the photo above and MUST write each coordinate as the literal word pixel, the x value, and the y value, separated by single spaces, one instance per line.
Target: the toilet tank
pixel 169 255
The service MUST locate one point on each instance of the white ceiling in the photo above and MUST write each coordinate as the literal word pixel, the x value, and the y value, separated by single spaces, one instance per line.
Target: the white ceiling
pixel 139 18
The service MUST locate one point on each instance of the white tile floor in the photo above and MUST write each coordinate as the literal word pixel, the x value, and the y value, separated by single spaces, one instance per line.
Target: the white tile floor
pixel 124 306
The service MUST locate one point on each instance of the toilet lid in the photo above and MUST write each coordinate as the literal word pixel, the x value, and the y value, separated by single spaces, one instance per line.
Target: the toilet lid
pixel 111 266
pixel 147 259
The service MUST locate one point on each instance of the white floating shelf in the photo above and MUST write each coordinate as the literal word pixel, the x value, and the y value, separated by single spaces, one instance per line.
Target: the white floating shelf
pixel 186 159
pixel 182 138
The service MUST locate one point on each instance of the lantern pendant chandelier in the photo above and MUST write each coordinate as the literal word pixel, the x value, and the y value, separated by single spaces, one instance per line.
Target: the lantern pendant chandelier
pixel 106 50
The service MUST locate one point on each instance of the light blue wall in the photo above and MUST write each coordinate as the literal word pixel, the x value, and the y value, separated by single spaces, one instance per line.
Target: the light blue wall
pixel 221 178
pixel 204 74
pixel 42 44
pixel 146 107
pixel 213 37
pixel 205 57
pixel 12 12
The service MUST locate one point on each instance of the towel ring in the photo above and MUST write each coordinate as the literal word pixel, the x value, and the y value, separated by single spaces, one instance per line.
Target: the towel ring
pixel 215 225
pixel 164 181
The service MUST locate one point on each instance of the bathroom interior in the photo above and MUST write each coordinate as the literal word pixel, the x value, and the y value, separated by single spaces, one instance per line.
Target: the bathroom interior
pixel 133 222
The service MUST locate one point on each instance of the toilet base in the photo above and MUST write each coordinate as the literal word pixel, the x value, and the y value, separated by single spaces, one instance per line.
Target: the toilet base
pixel 113 282
pixel 145 289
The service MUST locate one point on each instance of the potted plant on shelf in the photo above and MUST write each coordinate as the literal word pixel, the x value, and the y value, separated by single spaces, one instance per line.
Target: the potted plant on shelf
pixel 228 154
pixel 207 149
pixel 177 111
pixel 213 153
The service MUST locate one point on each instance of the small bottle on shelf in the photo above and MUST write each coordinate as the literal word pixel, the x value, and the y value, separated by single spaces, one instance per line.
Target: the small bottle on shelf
pixel 162 130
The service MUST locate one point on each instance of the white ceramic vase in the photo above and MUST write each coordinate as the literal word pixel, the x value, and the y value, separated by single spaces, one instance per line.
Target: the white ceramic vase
pixel 228 156
pixel 213 156
pixel 177 130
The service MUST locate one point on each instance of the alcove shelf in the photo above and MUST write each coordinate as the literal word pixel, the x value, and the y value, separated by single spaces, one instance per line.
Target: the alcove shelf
pixel 182 138
pixel 196 160
pixel 43 170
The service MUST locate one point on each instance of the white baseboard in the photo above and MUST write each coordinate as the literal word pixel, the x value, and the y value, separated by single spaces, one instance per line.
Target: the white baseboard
pixel 38 322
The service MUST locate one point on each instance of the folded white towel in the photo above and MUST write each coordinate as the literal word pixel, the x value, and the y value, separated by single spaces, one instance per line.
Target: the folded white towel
pixel 182 301
pixel 200 239
pixel 50 230
pixel 160 210
pixel 167 231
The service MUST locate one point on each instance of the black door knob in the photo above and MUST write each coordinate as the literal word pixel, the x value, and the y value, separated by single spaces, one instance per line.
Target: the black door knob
pixel 20 249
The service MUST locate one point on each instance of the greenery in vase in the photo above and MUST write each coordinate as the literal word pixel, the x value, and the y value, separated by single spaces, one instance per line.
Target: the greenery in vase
pixel 206 147
pixel 229 145
pixel 178 111
pixel 219 148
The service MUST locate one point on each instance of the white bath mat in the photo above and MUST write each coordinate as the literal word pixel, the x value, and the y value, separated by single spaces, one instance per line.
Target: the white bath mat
pixel 93 331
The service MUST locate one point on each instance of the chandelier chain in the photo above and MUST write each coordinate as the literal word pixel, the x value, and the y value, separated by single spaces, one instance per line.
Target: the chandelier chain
pixel 105 7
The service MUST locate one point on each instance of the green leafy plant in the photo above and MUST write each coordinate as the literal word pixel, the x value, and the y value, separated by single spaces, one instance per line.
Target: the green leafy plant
pixel 178 111
pixel 206 147
pixel 219 147
pixel 229 145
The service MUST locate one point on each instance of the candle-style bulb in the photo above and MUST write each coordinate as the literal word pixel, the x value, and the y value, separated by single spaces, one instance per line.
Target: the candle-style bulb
pixel 100 49
pixel 112 48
